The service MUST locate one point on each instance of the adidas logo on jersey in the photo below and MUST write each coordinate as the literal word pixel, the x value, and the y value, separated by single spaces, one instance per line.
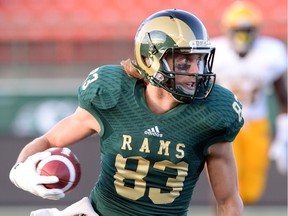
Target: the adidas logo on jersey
pixel 154 131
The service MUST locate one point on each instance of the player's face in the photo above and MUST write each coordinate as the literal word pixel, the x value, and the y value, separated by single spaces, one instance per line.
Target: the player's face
pixel 186 66
pixel 242 39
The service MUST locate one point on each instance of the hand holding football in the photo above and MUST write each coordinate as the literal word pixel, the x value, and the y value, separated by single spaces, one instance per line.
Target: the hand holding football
pixel 64 164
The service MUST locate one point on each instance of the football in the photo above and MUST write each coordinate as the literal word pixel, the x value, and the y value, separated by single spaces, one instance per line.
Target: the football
pixel 64 164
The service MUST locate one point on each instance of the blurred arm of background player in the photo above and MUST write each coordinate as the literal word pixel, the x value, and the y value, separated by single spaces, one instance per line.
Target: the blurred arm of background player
pixel 279 146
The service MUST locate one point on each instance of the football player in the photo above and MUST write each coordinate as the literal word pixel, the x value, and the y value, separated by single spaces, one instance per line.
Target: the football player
pixel 249 64
pixel 157 131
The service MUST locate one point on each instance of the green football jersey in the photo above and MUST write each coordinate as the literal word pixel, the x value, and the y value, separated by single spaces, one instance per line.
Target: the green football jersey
pixel 150 163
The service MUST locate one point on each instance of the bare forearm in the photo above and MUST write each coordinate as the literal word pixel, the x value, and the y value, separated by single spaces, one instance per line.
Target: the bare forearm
pixel 37 145
pixel 229 212
pixel 234 208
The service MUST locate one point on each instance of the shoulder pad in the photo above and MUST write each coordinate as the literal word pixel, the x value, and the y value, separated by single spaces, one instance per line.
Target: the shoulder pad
pixel 102 87
pixel 228 109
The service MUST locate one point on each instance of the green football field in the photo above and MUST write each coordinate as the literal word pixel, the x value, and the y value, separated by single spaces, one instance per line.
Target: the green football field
pixel 194 211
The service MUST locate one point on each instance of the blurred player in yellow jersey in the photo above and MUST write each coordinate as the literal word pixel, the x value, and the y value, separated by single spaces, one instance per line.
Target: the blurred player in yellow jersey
pixel 249 64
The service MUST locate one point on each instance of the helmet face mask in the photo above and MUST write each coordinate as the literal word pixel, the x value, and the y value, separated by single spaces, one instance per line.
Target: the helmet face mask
pixel 176 79
pixel 168 34
pixel 241 21
pixel 242 39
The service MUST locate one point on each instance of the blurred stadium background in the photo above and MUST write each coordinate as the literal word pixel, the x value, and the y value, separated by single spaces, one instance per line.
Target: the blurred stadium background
pixel 47 47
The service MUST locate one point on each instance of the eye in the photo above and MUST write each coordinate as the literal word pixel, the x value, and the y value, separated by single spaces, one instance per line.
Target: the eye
pixel 183 67
pixel 183 63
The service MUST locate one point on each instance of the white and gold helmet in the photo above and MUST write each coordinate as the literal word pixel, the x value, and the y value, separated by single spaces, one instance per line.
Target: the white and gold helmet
pixel 172 31
pixel 241 21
